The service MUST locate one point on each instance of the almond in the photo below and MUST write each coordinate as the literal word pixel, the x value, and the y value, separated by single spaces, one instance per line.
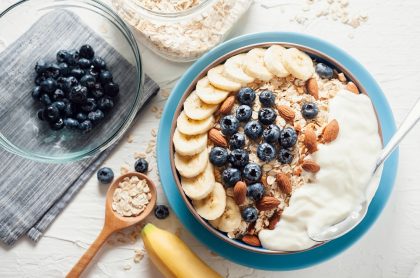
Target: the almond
pixel 312 87
pixel 274 220
pixel 310 166
pixel 330 131
pixel 352 88
pixel 310 140
pixel 267 203
pixel 284 183
pixel 217 138
pixel 227 105
pixel 239 192
pixel 286 112
pixel 251 240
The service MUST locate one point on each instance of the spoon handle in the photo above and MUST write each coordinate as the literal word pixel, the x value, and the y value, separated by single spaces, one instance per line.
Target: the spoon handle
pixel 90 253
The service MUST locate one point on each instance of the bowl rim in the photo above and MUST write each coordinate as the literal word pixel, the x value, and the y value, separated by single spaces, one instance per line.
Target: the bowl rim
pixel 123 28
pixel 315 54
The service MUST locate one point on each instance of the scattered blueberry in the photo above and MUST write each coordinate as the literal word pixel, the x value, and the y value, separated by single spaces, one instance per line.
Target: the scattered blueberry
pixel 105 76
pixel 71 123
pixel 57 125
pixel 89 105
pixel 271 133
pixel 86 126
pixel 99 63
pixel 267 98
pixel 267 116
pixel 218 156
pixel 309 110
pixel 237 141
pixel 96 116
pixel 243 113
pixel 250 214
pixel 266 152
pixel 105 104
pixel 86 51
pixel 161 211
pixel 36 92
pixel 246 96
pixel 81 117
pixel 78 94
pixel 324 71
pixel 255 191
pixel 252 173
pixel 239 158
pixel 84 63
pixel 105 175
pixel 253 130
pixel 285 156
pixel 229 125
pixel 48 85
pixel 111 89
pixel 141 166
pixel 230 176
pixel 288 137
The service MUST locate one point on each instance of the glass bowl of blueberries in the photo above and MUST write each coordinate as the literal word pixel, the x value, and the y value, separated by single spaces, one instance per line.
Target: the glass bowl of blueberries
pixel 70 79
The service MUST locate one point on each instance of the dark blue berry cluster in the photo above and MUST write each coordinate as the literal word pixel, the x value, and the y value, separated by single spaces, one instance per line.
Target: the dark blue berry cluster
pixel 77 90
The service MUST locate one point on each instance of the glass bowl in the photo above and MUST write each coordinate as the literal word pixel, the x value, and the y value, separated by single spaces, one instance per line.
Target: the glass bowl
pixel 34 139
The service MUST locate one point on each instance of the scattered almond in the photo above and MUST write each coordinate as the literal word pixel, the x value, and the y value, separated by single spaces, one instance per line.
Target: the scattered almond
pixel 330 131
pixel 267 203
pixel 312 87
pixel 310 166
pixel 352 88
pixel 284 183
pixel 310 140
pixel 217 138
pixel 286 112
pixel 274 220
pixel 227 105
pixel 251 240
pixel 239 192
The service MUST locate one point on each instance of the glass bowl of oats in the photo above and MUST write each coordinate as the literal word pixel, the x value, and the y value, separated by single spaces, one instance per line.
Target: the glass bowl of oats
pixel 183 30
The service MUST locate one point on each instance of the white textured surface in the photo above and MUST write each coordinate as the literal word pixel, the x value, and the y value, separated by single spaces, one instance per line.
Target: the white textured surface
pixel 388 45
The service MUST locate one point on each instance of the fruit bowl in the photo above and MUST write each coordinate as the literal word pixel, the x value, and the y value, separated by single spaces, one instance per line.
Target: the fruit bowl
pixel 86 22
pixel 234 249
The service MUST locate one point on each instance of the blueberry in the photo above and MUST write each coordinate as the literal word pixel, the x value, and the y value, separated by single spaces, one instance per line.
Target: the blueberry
pixel 94 72
pixel 77 72
pixel 70 82
pixel 252 173
pixel 86 51
pixel 161 211
pixel 72 57
pixel 253 130
pixel 250 214
pixel 39 79
pixel 89 105
pixel 243 113
pixel 99 63
pixel 141 166
pixel 36 92
pixel 69 110
pixel 71 123
pixel 53 70
pixel 48 85
pixel 96 116
pixel 86 126
pixel 58 95
pixel 57 125
pixel 266 152
pixel 105 175
pixel 81 117
pixel 59 104
pixel 45 99
pixel 288 137
pixel 218 156
pixel 285 156
pixel 111 89
pixel 246 96
pixel 255 191
pixel 88 81
pixel 51 113
pixel 62 56
pixel 239 158
pixel 271 133
pixel 78 94
pixel 41 67
pixel 267 116
pixel 237 141
pixel 267 98
pixel 324 71
pixel 64 69
pixel 84 63
pixel 229 125
pixel 230 176
pixel 309 110
pixel 105 76
pixel 61 82
pixel 105 104
pixel 40 114
pixel 97 93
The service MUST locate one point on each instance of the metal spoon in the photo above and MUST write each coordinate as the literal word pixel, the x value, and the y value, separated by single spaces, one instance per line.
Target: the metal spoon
pixel 357 215
pixel 114 222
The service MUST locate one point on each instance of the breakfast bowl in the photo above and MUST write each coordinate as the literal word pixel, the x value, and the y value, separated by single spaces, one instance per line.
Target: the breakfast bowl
pixel 34 32
pixel 249 252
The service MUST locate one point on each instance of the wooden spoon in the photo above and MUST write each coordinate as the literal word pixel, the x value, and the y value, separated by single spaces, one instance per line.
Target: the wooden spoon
pixel 114 222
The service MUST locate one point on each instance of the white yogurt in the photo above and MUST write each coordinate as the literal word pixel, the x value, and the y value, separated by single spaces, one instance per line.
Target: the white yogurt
pixel 346 164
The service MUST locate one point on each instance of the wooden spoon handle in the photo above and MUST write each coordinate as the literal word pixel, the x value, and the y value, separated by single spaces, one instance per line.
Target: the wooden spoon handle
pixel 89 254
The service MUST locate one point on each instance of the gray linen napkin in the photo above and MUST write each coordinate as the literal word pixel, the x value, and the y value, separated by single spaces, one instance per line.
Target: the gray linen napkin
pixel 32 194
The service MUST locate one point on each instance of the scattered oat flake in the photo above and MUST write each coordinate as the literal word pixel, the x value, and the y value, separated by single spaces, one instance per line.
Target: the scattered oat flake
pixel 124 169
pixel 138 255
pixel 127 267
pixel 130 138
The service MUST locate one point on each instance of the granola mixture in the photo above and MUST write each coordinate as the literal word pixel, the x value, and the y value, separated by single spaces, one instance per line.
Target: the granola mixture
pixel 168 6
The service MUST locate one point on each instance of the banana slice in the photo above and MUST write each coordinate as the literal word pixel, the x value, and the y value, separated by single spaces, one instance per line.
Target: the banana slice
pixel 254 65
pixel 196 109
pixel 298 63
pixel 234 71
pixel 188 145
pixel 273 59
pixel 191 166
pixel 230 219
pixel 199 187
pixel 209 94
pixel 213 205
pixel 189 126
pixel 219 80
